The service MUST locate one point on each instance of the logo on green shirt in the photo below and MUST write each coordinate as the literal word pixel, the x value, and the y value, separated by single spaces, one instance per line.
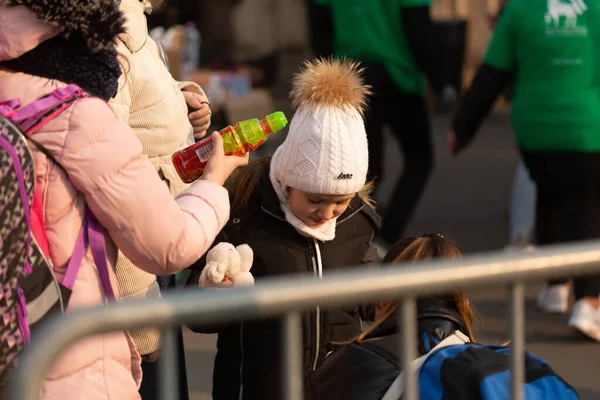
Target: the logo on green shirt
pixel 562 17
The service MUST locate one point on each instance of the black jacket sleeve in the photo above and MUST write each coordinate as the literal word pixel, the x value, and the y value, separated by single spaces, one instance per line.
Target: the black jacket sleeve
pixel 371 255
pixel 321 28
pixel 422 40
pixel 488 84
pixel 367 311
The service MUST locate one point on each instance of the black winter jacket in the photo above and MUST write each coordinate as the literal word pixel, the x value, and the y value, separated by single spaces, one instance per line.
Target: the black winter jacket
pixel 247 365
pixel 365 371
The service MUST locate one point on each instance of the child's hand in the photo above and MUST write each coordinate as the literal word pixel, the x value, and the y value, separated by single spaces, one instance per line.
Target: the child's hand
pixel 208 278
pixel 200 117
pixel 219 165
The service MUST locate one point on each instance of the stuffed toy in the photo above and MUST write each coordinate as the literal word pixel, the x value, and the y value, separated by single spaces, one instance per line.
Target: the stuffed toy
pixel 228 264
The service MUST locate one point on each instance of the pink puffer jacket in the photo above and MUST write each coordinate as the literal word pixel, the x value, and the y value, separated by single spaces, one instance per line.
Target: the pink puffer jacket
pixel 107 171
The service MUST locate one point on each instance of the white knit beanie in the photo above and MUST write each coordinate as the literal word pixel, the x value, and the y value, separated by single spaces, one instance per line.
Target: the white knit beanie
pixel 326 150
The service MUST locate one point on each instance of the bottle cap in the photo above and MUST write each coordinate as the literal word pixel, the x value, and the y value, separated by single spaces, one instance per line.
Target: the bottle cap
pixel 277 121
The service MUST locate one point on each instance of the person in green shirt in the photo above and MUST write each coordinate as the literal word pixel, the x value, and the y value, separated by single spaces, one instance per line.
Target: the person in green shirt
pixel 395 41
pixel 555 45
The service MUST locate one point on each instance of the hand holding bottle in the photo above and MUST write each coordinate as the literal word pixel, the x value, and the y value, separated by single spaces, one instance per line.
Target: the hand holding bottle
pixel 220 166
pixel 246 136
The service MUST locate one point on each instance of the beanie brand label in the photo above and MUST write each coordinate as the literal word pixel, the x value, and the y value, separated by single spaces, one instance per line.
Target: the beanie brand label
pixel 345 176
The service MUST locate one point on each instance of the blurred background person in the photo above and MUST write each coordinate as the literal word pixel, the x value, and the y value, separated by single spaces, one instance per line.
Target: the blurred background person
pixel 156 107
pixel 255 44
pixel 396 43
pixel 216 27
pixel 556 119
pixel 320 30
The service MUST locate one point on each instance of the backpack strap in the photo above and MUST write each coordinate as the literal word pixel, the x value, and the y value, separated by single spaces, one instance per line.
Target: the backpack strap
pixel 90 236
pixel 35 115
pixel 396 389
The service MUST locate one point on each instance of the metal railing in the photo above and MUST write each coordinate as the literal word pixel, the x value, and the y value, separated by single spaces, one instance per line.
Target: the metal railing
pixel 290 297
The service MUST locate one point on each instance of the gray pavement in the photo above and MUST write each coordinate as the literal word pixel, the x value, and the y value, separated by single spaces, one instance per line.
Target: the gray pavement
pixel 466 199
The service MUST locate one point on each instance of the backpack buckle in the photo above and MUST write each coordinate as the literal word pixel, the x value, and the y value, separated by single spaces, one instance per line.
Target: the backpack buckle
pixel 7 108
pixel 68 92
pixel 7 111
pixel 62 94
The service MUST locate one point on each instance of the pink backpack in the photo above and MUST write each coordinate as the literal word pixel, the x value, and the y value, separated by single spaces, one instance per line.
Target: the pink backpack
pixel 29 290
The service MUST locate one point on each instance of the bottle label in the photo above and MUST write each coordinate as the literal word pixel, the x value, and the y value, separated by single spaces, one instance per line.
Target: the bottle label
pixel 203 152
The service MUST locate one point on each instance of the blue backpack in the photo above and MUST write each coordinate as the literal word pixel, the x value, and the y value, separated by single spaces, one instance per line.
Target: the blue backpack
pixel 459 370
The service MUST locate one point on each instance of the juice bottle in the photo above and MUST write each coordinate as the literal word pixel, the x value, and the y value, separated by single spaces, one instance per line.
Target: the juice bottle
pixel 237 140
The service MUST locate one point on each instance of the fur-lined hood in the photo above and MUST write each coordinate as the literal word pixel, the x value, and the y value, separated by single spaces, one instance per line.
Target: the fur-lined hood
pixel 98 21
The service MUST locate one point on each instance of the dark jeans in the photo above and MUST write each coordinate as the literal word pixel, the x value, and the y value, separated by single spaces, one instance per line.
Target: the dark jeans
pixel 568 205
pixel 320 28
pixel 269 67
pixel 407 115
pixel 150 383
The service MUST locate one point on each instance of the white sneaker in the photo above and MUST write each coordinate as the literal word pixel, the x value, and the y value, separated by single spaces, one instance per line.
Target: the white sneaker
pixel 554 299
pixel 586 319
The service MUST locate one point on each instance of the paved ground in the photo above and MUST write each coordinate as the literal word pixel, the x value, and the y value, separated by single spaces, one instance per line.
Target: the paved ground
pixel 467 199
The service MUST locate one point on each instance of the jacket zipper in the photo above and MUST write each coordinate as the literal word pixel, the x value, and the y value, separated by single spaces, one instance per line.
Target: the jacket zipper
pixel 351 215
pixel 273 215
pixel 318 271
pixel 241 393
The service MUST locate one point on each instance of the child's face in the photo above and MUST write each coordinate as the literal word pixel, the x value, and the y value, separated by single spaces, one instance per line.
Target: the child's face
pixel 316 209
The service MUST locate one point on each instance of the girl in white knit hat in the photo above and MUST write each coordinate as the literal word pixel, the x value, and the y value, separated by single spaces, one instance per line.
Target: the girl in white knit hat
pixel 305 211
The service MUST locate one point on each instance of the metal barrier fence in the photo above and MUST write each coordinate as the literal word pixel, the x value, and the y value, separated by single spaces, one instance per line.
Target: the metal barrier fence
pixel 290 297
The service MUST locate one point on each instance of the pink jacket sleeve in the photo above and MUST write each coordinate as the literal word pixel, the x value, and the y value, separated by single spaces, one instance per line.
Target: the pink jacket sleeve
pixel 104 160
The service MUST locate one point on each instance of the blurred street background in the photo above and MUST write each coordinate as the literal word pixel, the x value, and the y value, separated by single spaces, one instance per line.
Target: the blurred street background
pixel 466 199
pixel 248 74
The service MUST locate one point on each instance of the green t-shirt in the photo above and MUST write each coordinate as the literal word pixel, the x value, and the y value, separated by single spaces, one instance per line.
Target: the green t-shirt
pixel 371 31
pixel 554 46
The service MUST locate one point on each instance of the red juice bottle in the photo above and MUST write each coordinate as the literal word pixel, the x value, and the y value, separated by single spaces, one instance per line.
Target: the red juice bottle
pixel 237 140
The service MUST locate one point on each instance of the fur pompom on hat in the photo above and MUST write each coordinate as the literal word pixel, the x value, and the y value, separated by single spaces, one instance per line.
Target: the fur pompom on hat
pixel 99 22
pixel 330 83
pixel 326 149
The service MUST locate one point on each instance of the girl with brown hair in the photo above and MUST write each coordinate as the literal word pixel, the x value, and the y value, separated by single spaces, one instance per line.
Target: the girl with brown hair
pixel 419 248
pixel 367 367
pixel 450 364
